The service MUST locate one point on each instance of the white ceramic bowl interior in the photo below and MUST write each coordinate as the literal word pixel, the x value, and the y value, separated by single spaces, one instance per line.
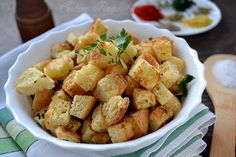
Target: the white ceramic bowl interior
pixel 20 105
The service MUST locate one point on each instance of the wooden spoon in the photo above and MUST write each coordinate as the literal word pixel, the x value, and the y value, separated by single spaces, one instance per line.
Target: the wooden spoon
pixel 224 101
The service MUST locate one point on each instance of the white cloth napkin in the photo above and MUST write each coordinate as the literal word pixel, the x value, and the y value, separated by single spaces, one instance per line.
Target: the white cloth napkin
pixel 184 140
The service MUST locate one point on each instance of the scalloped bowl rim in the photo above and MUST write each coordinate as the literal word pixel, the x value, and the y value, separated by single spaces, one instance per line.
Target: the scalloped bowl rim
pixel 136 144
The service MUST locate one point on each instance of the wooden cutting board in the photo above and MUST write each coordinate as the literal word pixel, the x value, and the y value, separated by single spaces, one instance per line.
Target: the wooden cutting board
pixel 224 101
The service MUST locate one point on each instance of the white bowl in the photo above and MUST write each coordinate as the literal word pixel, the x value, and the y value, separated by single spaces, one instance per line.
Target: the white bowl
pixel 20 105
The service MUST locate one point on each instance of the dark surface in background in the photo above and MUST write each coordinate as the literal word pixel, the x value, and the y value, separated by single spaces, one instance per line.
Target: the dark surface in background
pixel 221 39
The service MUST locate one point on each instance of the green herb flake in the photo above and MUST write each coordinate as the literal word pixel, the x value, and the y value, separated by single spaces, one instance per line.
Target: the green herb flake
pixel 76 51
pixel 102 51
pixel 183 86
pixel 103 37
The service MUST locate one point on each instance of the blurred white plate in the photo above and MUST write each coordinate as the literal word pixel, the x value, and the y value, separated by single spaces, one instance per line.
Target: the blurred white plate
pixel 214 15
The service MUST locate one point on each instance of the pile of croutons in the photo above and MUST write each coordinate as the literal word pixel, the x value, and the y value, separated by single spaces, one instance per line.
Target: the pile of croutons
pixel 97 90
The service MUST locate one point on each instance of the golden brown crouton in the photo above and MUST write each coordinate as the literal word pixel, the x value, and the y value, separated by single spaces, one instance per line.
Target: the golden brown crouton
pixel 39 117
pixel 179 62
pixel 88 76
pixel 144 73
pixel 74 125
pixel 129 53
pixel 115 109
pixel 150 59
pixel 72 39
pixel 169 73
pixel 163 48
pixel 90 136
pixel 98 120
pixel 121 132
pixel 117 69
pixel 67 135
pixel 71 87
pixel 101 60
pixel 40 66
pixel 133 38
pixel 174 104
pixel 98 27
pixel 59 68
pixel 58 113
pixel 61 94
pixel 82 105
pixel 110 85
pixel 58 48
pixel 163 95
pixel 159 117
pixel 131 85
pixel 143 99
pixel 145 46
pixel 141 121
pixel 86 131
pixel 86 40
pixel 42 99
pixel 100 138
pixel 32 80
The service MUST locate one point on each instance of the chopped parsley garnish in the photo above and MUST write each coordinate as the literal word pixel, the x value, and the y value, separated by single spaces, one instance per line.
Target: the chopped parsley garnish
pixel 183 86
pixel 121 41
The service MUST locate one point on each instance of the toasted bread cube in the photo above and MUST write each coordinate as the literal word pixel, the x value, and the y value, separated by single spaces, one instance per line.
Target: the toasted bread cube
pixel 64 134
pixel 40 66
pixel 133 38
pixel 90 136
pixel 131 85
pixel 174 88
pixel 121 132
pixel 42 99
pixel 71 87
pixel 145 47
pixel 150 59
pixel 74 125
pixel 88 76
pixel 68 54
pixel 61 94
pixel 32 80
pixel 141 121
pixel 143 99
pixel 163 48
pixel 98 27
pixel 159 117
pixel 72 39
pixel 86 40
pixel 98 120
pixel 58 113
pixel 58 48
pixel 115 109
pixel 174 104
pixel 82 105
pixel 110 85
pixel 86 131
pixel 129 53
pixel 59 68
pixel 101 60
pixel 101 138
pixel 144 73
pixel 117 69
pixel 169 74
pixel 163 95
pixel 179 62
pixel 39 117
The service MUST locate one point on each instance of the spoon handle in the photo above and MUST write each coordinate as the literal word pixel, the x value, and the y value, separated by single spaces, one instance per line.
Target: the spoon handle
pixel 223 142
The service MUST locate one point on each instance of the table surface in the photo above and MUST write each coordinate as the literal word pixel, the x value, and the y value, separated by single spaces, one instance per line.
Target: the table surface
pixel 219 40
